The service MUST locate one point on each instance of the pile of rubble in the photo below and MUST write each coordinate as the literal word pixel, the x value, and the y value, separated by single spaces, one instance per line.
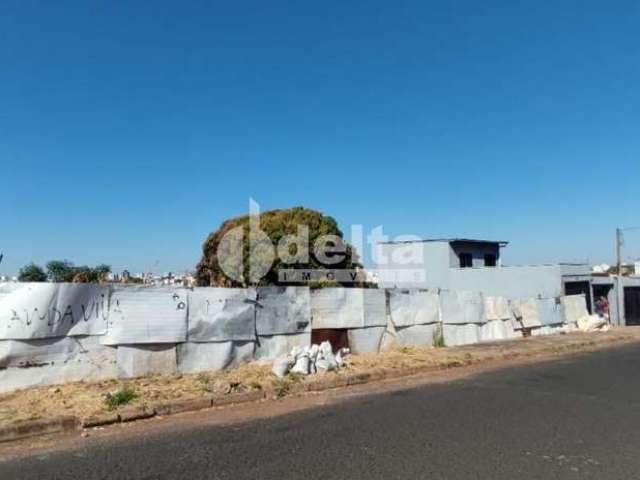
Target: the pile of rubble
pixel 593 323
pixel 309 360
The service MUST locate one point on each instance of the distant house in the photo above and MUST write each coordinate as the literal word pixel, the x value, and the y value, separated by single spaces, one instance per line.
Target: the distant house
pixel 476 265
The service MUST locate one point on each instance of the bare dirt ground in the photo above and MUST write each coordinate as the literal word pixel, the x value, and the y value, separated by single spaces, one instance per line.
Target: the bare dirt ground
pixel 87 399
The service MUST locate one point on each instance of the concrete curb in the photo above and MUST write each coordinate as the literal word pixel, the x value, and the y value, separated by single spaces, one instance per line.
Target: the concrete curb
pixel 180 406
pixel 100 420
pixel 130 414
pixel 235 398
pixel 358 378
pixel 31 428
pixel 322 383
pixel 133 413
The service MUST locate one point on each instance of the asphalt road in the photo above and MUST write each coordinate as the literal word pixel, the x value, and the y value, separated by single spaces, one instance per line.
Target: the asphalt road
pixel 574 418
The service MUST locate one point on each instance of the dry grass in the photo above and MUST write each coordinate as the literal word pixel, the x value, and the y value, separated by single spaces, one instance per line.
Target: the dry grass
pixel 87 399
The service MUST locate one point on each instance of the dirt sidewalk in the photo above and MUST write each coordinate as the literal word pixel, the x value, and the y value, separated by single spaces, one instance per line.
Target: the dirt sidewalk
pixel 150 395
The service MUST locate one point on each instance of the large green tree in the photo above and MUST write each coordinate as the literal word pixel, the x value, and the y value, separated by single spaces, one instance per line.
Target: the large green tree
pixel 32 273
pixel 229 253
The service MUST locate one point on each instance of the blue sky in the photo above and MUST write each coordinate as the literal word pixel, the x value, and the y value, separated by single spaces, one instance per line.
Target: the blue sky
pixel 127 132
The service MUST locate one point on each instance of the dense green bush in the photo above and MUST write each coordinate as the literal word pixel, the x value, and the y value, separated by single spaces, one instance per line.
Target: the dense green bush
pixel 275 224
pixel 32 273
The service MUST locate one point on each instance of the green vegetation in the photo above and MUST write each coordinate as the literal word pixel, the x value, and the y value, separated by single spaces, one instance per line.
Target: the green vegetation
pixel 32 273
pixel 60 271
pixel 276 224
pixel 282 386
pixel 66 271
pixel 123 396
pixel 134 280
pixel 204 381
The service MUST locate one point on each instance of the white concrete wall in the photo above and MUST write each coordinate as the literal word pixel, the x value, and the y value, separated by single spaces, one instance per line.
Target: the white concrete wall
pixel 511 282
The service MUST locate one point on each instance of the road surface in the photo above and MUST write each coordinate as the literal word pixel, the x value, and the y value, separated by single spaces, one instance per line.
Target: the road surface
pixel 574 418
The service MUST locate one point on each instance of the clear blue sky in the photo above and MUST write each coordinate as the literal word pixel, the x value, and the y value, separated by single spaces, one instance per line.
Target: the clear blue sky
pixel 129 130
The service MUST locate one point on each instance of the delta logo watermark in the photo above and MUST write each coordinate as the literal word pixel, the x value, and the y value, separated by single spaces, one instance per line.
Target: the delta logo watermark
pixel 295 252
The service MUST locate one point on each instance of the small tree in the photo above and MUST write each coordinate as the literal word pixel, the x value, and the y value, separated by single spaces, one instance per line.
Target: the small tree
pixel 81 277
pixel 100 272
pixel 61 271
pixel 32 273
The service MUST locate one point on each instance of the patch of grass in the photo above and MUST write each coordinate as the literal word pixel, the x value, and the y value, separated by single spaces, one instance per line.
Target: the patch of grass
pixel 204 381
pixel 438 338
pixel 282 386
pixel 249 374
pixel 255 385
pixel 123 396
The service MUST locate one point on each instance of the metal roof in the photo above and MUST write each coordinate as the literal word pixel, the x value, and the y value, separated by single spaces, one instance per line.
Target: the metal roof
pixel 502 243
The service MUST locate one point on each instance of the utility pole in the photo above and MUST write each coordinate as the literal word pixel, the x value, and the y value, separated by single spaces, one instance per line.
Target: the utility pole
pixel 619 283
pixel 619 240
pixel 619 307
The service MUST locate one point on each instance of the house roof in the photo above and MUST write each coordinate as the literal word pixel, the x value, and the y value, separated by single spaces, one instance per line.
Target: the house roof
pixel 502 243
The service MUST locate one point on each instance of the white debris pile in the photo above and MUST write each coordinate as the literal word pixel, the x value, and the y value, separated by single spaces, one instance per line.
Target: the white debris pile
pixel 593 323
pixel 309 360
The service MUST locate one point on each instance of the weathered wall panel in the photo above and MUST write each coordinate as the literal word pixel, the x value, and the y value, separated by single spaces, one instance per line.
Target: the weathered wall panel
pixel 270 347
pixel 221 314
pixel 142 360
pixel 417 335
pixel 462 307
pixel 283 310
pixel 50 310
pixel 348 308
pixel 461 334
pixel 54 360
pixel 147 315
pixel 201 357
pixel 413 307
pixel 366 340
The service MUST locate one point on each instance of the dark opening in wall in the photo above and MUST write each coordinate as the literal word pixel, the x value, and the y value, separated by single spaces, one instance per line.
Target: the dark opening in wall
pixel 338 337
pixel 466 260
pixel 490 260
pixel 632 305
